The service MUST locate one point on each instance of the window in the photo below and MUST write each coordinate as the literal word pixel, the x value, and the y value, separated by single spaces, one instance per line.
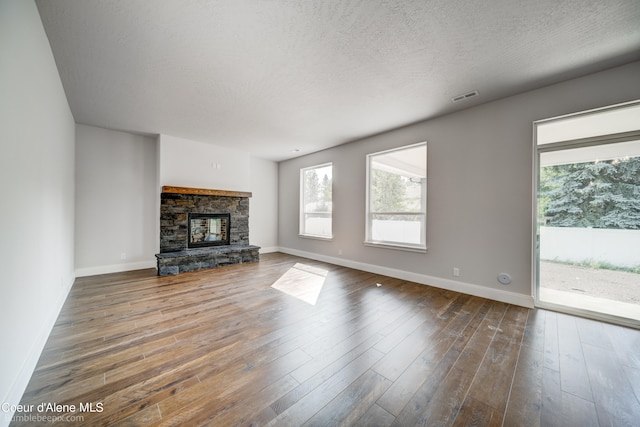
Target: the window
pixel 397 198
pixel 316 201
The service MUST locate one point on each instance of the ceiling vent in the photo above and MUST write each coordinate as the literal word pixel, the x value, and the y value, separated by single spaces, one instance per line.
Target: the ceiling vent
pixel 465 96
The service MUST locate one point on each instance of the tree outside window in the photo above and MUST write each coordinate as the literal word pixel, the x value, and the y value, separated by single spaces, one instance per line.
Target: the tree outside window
pixel 316 203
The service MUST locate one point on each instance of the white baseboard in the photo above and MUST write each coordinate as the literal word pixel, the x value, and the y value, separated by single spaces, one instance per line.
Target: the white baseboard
pixel 438 282
pixel 17 389
pixel 114 268
pixel 269 249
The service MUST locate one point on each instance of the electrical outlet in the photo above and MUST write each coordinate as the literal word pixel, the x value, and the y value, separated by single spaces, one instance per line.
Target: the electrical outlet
pixel 123 255
pixel 339 251
pixel 456 272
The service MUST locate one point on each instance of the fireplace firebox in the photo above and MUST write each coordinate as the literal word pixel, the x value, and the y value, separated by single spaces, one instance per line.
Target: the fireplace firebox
pixel 208 229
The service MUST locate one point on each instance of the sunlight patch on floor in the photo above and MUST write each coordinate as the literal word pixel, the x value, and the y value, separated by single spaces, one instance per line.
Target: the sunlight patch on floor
pixel 302 281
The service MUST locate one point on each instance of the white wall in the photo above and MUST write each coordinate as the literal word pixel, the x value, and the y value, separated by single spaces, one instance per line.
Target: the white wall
pixel 575 244
pixel 187 163
pixel 116 201
pixel 37 215
pixel 263 205
pixel 479 214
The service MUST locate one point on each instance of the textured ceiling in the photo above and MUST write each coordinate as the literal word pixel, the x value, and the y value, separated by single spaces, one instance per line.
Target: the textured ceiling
pixel 270 76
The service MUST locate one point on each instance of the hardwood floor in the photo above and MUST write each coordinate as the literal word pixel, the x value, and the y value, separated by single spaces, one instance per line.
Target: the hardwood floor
pixel 225 347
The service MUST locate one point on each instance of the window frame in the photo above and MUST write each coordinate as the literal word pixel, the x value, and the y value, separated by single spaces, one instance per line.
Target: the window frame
pixel 369 214
pixel 302 232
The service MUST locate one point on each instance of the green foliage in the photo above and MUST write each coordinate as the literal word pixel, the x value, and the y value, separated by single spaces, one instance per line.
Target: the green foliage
pixel 317 193
pixel 327 191
pixel 312 186
pixel 387 192
pixel 603 194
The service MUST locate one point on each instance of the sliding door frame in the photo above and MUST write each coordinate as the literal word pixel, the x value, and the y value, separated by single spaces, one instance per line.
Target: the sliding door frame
pixel 559 146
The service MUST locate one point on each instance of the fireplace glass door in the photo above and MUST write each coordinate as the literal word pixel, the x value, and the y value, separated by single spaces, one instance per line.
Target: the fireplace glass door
pixel 207 229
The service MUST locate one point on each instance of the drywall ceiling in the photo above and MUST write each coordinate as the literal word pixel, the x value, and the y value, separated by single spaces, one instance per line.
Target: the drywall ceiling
pixel 271 76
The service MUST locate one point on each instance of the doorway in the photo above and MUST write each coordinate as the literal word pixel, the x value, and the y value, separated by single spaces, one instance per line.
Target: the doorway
pixel 587 217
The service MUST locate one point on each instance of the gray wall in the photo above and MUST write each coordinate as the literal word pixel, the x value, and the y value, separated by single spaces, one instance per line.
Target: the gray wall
pixel 116 201
pixel 37 175
pixel 479 201
pixel 263 211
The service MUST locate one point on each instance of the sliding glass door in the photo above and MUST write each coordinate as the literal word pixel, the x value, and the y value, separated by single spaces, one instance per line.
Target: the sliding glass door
pixel 587 227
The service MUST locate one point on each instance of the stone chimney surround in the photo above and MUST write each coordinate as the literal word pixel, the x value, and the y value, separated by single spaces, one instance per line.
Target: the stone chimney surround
pixel 176 203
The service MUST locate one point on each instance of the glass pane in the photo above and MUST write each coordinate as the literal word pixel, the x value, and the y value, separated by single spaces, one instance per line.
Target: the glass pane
pixel 397 228
pixel 214 229
pixel 317 224
pixel 397 180
pixel 589 228
pixel 395 193
pixel 318 189
pixel 316 201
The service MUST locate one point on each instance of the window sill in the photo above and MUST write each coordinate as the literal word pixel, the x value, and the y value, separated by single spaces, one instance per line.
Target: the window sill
pixel 314 237
pixel 398 247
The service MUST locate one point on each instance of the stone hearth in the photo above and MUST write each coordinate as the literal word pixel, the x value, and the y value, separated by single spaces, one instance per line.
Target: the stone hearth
pixel 175 205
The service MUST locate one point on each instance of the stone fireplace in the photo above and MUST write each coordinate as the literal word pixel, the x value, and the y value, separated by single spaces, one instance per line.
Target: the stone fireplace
pixel 202 228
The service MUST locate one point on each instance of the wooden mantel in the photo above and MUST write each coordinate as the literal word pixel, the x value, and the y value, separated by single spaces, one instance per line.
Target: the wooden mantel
pixel 204 191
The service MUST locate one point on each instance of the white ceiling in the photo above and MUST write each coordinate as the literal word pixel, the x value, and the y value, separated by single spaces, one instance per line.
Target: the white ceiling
pixel 271 76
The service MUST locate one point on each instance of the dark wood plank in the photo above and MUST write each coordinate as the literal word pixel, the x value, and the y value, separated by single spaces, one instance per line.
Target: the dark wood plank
pixel 633 376
pixel 551 411
pixel 474 413
pixel 579 412
pixel 403 389
pixel 406 351
pixel 445 404
pixel 614 397
pixel 143 417
pixel 534 332
pixel 323 375
pixel 525 400
pixel 493 379
pixel 551 345
pixel 474 352
pixel 243 406
pixel 204 191
pixel 419 402
pixel 375 416
pixel 626 343
pixel 352 403
pixel 310 404
pixel 593 333
pixel 573 371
